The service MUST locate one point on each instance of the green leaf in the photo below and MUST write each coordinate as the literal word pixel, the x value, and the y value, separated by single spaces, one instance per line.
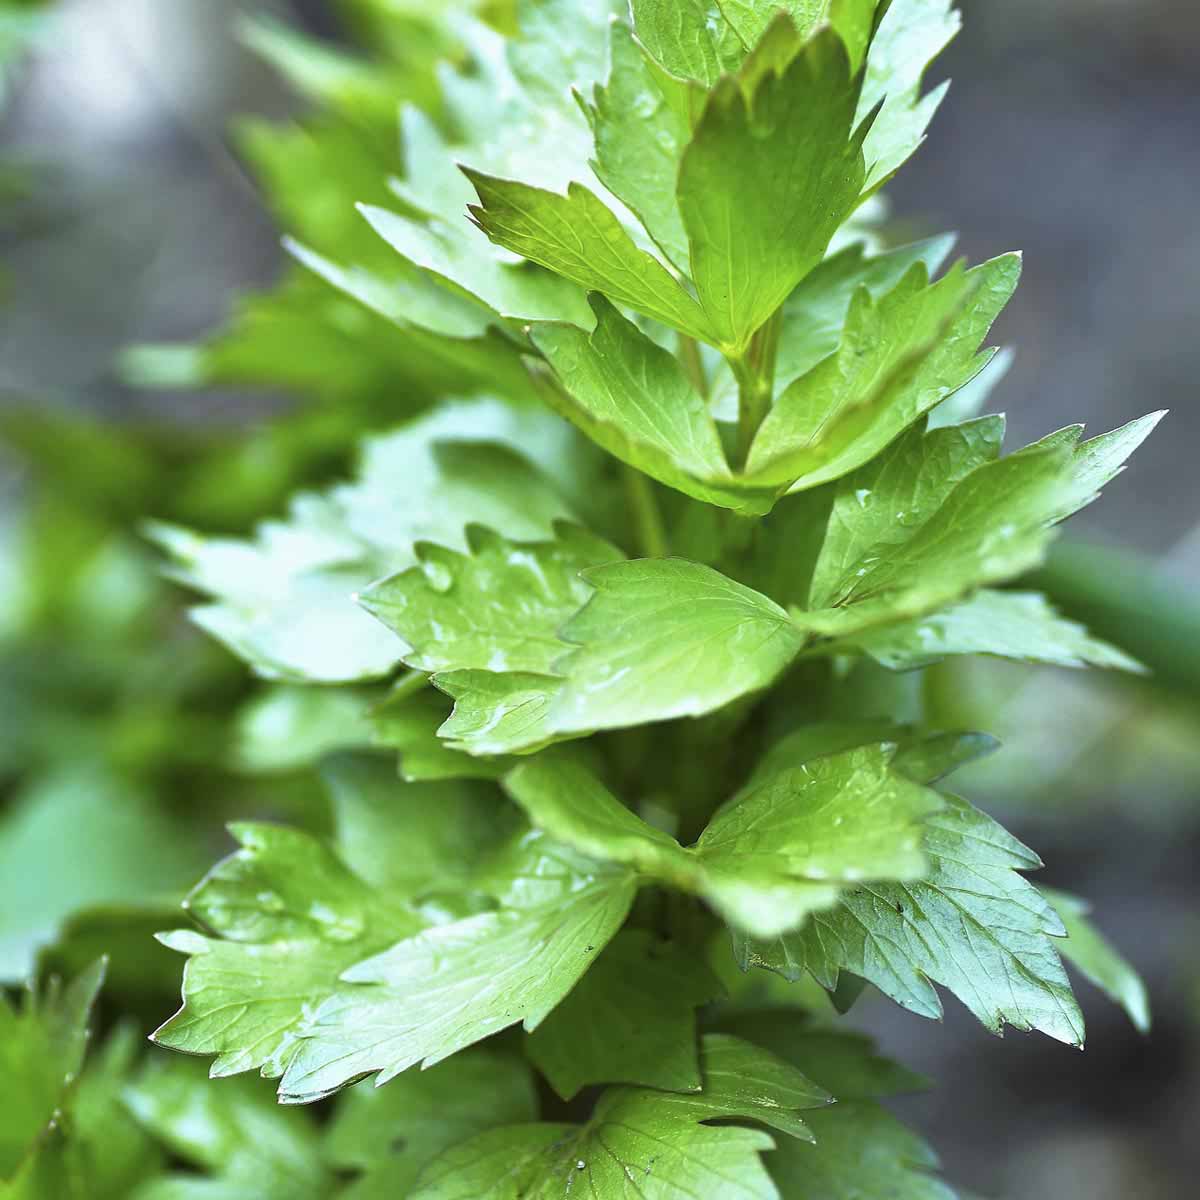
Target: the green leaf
pixel 659 638
pixel 454 984
pixel 285 602
pixel 285 728
pixel 462 259
pixel 781 847
pixel 410 725
pixel 991 523
pixel 814 314
pixel 973 925
pixel 751 18
pixel 50 869
pixel 578 236
pixel 1019 625
pixel 496 608
pixel 631 1019
pixel 640 137
pixel 842 1062
pixel 690 38
pixel 898 357
pixel 829 823
pixel 42 1044
pixel 291 913
pixel 884 501
pixel 771 172
pixel 859 1150
pixel 1086 949
pixel 655 1141
pixel 391 1133
pixel 499 713
pixel 920 756
pixel 230 1130
pixel 910 35
pixel 631 396
pixel 664 638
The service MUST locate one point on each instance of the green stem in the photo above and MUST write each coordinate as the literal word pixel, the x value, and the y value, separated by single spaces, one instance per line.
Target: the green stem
pixel 693 364
pixel 755 375
pixel 652 536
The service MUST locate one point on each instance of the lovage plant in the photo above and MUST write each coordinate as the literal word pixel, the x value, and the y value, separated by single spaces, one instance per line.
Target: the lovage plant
pixel 631 622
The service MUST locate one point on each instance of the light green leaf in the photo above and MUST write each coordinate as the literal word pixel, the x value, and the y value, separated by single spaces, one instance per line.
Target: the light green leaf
pixel 921 756
pixel 578 236
pixel 410 724
pixel 455 984
pixel 664 638
pixel 50 869
pixel 232 1131
pixel 1019 625
pixel 496 608
pixel 790 844
pixel 898 357
pixel 815 312
pixel 291 913
pixel 42 1044
pixel 285 728
pixel 780 848
pixel 910 35
pixel 690 38
pixel 640 137
pixel 631 396
pixel 973 925
pixel 884 501
pixel 499 713
pixel 854 21
pixel 391 1133
pixel 992 525
pixel 750 18
pixel 655 1141
pixel 631 1019
pixel 461 257
pixel 1086 949
pixel 659 638
pixel 771 172
pixel 285 601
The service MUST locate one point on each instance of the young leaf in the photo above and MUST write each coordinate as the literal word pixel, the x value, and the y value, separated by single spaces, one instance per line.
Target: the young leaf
pixel 690 38
pixel 657 1141
pixel 631 1019
pixel 973 925
pixel 898 358
pixel 42 1045
pixel 640 138
pixel 577 236
pixel 452 985
pixel 910 34
pixel 772 170
pixel 815 312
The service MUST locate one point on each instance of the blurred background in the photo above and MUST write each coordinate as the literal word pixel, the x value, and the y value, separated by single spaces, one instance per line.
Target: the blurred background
pixel 129 215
